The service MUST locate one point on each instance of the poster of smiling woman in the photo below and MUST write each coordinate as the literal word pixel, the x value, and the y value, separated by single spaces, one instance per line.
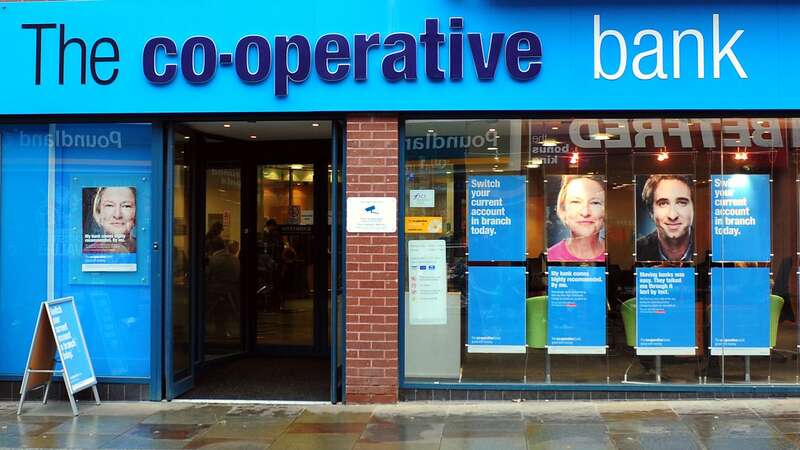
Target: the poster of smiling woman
pixel 576 213
pixel 109 229
pixel 664 218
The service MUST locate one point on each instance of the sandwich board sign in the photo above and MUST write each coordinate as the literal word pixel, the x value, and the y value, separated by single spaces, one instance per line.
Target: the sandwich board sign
pixel 58 332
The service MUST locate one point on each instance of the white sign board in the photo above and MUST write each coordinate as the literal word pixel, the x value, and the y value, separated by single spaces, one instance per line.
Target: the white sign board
pixel 371 214
pixel 422 198
pixel 427 282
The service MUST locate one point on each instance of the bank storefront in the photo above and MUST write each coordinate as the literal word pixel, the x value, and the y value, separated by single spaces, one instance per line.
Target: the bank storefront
pixel 591 199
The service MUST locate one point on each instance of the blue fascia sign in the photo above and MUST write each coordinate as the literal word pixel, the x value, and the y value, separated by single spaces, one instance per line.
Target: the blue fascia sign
pixel 71 57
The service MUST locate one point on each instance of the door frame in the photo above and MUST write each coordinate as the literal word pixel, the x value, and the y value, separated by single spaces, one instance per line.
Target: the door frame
pixel 331 153
pixel 249 156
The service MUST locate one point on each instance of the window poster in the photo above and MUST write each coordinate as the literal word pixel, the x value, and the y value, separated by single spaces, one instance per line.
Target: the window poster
pixel 740 218
pixel 576 310
pixel 740 311
pixel 427 282
pixel 109 229
pixel 575 222
pixel 664 218
pixel 496 309
pixel 496 215
pixel 665 311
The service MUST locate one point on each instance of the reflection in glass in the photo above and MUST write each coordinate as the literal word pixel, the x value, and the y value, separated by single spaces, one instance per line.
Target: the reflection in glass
pixel 222 269
pixel 672 220
pixel 285 263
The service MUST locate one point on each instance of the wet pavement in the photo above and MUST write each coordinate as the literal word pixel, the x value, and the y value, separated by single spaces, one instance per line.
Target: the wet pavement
pixel 685 424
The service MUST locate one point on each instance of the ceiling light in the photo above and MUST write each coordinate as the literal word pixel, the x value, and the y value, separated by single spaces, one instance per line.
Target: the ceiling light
pixel 574 158
pixel 226 125
pixel 549 143
pixel 430 130
pixel 553 128
pixel 296 166
pixel 315 124
pixel 491 148
pixel 492 130
pixel 186 137
pixel 253 136
pixel 662 156
pixel 601 136
pixel 760 122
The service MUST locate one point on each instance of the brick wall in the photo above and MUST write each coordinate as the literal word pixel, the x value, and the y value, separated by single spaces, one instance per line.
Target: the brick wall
pixel 371 266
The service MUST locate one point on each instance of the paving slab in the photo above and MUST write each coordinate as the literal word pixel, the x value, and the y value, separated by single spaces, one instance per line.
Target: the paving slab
pixel 673 424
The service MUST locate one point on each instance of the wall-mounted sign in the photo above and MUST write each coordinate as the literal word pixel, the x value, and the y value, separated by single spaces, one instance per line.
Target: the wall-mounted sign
pixel 268 57
pixel 371 214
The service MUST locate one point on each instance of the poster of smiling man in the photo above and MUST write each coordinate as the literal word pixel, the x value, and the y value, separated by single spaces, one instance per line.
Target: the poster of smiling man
pixel 109 229
pixel 664 218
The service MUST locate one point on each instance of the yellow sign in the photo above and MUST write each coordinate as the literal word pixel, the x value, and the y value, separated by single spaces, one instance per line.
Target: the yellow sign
pixel 423 224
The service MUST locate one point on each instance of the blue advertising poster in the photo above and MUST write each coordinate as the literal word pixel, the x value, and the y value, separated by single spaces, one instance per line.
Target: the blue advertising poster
pixel 665 322
pixel 740 311
pixel 496 309
pixel 740 218
pixel 576 310
pixel 71 343
pixel 496 214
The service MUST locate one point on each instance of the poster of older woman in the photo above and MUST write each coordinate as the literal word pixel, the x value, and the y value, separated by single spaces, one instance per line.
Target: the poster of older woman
pixel 109 229
pixel 576 211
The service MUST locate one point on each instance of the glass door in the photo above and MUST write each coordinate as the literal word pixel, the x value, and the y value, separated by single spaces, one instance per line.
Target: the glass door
pixel 180 331
pixel 221 311
pixel 286 281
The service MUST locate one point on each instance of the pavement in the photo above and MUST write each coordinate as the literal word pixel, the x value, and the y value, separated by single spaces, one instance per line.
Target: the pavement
pixel 684 424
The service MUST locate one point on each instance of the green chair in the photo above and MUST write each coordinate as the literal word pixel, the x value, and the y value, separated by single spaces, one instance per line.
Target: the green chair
pixel 629 321
pixel 776 305
pixel 536 321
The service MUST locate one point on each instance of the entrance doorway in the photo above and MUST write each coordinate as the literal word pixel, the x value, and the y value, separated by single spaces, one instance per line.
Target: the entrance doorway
pixel 255 222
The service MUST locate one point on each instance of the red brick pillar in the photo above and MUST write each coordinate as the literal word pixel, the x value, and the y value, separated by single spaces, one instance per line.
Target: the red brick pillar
pixel 371 265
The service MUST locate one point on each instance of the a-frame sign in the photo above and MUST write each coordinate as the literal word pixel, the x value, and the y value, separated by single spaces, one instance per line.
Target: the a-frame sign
pixel 58 330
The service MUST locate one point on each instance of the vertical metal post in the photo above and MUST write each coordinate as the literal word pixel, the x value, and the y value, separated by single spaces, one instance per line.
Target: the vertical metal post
pixel 96 395
pixel 46 391
pixel 22 392
pixel 72 403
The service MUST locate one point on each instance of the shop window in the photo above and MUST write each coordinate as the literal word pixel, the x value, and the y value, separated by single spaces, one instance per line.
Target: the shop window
pixel 595 251
pixel 77 221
